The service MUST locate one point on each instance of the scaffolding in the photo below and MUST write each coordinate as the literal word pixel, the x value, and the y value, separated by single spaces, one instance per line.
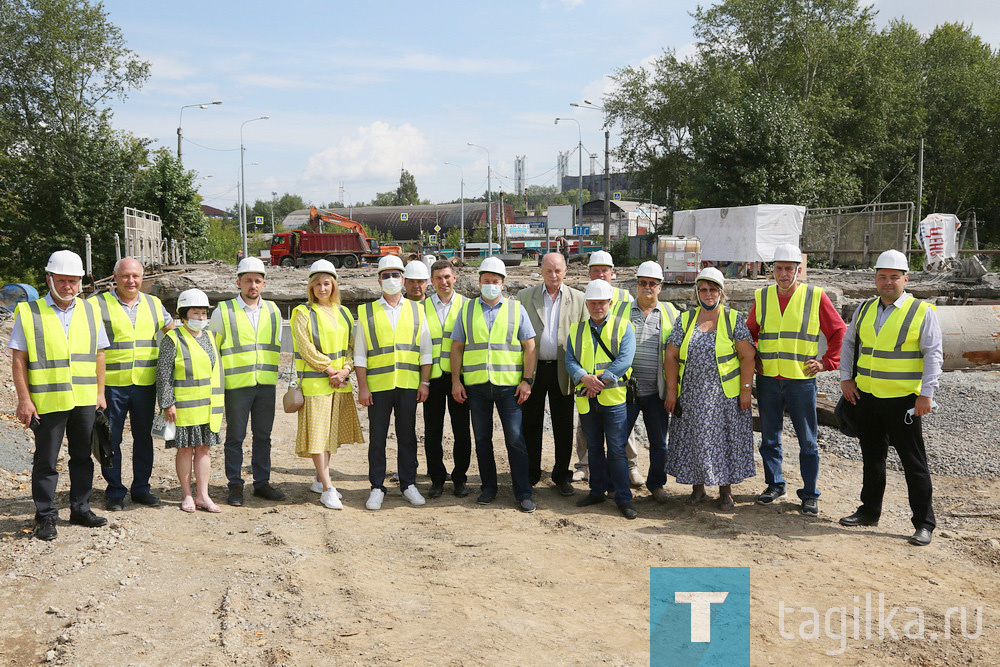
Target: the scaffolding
pixel 851 235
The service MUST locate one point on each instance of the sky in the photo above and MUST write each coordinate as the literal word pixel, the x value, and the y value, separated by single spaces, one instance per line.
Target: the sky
pixel 355 91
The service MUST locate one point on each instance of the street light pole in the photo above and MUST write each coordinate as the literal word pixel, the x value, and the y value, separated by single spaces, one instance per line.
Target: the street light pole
pixel 273 195
pixel 579 190
pixel 180 134
pixel 587 104
pixel 461 233
pixel 489 202
pixel 243 189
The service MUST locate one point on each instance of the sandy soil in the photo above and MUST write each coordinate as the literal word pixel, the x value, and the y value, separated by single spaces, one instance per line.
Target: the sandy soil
pixel 455 583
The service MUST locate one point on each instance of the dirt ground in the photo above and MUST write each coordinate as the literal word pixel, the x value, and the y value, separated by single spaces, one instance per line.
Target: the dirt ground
pixel 294 583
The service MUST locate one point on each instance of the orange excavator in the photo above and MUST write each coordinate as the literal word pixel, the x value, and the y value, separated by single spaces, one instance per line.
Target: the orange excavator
pixel 317 218
pixel 302 246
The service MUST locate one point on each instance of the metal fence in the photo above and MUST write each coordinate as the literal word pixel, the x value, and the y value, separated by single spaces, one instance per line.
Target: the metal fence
pixel 143 239
pixel 852 235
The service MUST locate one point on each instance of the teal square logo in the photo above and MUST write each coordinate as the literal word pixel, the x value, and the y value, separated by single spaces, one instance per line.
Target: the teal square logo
pixel 699 616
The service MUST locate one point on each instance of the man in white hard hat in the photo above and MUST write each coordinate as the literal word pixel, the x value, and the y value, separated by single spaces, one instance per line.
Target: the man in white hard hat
pixel 493 354
pixel 415 278
pixel 599 354
pixel 248 331
pixel 652 321
pixel 443 310
pixel 786 321
pixel 898 367
pixel 393 356
pixel 131 321
pixel 58 347
pixel 601 266
pixel 552 308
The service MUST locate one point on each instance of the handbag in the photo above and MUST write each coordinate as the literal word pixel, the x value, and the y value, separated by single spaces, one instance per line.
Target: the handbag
pixel 100 440
pixel 631 383
pixel 293 400
pixel 845 411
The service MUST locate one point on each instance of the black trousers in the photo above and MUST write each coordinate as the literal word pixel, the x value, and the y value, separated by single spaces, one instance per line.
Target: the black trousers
pixel 76 425
pixel 437 400
pixel 561 410
pixel 402 403
pixel 881 424
pixel 256 405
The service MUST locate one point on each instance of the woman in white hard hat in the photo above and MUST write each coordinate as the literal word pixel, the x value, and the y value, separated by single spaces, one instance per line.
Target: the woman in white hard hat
pixel 189 390
pixel 710 360
pixel 324 354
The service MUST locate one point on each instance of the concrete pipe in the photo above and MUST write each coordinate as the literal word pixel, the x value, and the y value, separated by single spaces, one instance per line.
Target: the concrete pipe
pixel 971 335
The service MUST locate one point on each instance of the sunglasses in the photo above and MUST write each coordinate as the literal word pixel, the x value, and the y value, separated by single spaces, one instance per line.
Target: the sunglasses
pixel 648 283
pixel 390 274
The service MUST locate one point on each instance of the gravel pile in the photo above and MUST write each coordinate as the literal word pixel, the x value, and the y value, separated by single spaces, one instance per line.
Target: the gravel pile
pixel 960 435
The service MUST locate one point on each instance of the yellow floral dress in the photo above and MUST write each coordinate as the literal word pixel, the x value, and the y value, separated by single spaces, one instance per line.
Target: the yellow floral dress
pixel 325 422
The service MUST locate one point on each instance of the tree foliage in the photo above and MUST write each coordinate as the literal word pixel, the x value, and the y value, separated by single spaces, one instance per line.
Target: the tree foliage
pixel 404 195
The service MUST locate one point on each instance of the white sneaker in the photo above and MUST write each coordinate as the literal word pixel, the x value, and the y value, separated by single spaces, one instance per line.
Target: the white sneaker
pixel 375 499
pixel 636 478
pixel 317 487
pixel 580 475
pixel 330 499
pixel 413 495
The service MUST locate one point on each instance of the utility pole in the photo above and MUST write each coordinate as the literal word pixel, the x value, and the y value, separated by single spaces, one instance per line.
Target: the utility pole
pixel 607 191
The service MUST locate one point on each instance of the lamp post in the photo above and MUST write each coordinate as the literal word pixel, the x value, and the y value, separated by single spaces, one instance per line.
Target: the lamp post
pixel 461 233
pixel 587 104
pixel 489 203
pixel 180 134
pixel 243 189
pixel 273 195
pixel 579 190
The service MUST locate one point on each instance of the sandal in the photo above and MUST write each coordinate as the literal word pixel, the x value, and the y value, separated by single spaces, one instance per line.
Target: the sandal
pixel 726 502
pixel 208 507
pixel 695 498
pixel 186 506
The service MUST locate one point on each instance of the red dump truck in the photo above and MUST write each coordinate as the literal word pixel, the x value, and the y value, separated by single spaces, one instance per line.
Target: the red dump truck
pixel 301 248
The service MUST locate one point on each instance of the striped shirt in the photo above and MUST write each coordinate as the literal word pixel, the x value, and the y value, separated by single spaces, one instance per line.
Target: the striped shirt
pixel 645 366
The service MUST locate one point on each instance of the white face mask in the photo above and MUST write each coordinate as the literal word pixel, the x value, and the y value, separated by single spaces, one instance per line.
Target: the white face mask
pixel 197 325
pixel 490 292
pixel 392 286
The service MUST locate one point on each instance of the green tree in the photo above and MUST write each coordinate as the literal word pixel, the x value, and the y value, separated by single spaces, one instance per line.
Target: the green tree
pixel 168 190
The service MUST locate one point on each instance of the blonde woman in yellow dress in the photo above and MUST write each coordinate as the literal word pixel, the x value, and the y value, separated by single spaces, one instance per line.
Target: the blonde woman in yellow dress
pixel 322 332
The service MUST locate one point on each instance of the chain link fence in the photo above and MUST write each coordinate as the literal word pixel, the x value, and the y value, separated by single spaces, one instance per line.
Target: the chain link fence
pixel 853 235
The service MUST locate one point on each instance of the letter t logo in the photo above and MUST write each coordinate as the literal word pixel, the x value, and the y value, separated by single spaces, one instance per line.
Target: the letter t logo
pixel 701 611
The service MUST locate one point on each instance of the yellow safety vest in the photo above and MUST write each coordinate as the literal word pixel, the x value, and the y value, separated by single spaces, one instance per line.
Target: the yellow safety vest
pixel 441 335
pixel 492 355
pixel 788 340
pixel 250 358
pixel 198 383
pixel 725 350
pixel 332 338
pixel 62 370
pixel 621 303
pixel 393 355
pixel 590 355
pixel 890 363
pixel 131 357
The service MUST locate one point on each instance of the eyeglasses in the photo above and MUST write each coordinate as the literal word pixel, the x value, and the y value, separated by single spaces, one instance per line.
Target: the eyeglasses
pixel 709 290
pixel 390 274
pixel 648 283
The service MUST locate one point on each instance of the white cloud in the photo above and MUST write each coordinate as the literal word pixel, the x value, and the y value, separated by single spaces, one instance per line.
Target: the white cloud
pixel 375 151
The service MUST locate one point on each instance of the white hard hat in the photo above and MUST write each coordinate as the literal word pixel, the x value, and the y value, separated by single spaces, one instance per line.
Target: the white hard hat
pixel 601 258
pixel 388 262
pixel 322 266
pixel 417 270
pixel 493 265
pixel 65 263
pixel 786 252
pixel 650 270
pixel 712 275
pixel 192 298
pixel 892 259
pixel 251 265
pixel 598 290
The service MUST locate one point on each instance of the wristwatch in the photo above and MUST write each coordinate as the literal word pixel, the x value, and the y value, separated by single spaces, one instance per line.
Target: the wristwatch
pixel 747 386
pixel 529 381
pixel 426 384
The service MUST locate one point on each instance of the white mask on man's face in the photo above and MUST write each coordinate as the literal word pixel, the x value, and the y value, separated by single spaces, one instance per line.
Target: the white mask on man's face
pixel 392 286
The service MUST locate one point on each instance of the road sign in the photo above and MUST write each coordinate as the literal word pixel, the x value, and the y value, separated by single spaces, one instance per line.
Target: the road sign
pixel 461 243
pixel 437 228
pixel 403 217
pixel 432 238
pixel 617 196
pixel 259 219
pixel 581 230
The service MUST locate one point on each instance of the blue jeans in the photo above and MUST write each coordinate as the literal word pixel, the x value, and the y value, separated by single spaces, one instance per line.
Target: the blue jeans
pixel 774 396
pixel 481 398
pixel 657 420
pixel 608 470
pixel 138 404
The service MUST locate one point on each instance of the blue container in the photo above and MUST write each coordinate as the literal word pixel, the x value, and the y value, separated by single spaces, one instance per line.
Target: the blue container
pixel 15 293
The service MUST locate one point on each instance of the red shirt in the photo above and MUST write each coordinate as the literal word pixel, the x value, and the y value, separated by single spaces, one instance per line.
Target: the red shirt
pixel 830 323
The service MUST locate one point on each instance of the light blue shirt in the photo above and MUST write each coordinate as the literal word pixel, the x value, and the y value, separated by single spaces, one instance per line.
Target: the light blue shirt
pixel 524 330
pixel 618 367
pixel 18 341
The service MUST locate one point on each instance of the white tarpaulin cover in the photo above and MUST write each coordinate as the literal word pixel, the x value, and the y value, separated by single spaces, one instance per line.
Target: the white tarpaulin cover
pixel 742 233
pixel 938 235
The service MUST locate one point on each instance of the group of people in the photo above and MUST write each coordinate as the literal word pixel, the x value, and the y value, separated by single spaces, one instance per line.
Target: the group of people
pixel 608 355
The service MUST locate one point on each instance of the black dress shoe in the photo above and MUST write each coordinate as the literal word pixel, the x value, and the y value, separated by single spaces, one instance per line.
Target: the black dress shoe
pixel 114 504
pixel 565 488
pixel 461 490
pixel 858 519
pixel 921 538
pixel 46 529
pixel 147 499
pixel 268 492
pixel 435 491
pixel 87 519
pixel 235 497
pixel 590 499
pixel 486 497
pixel 627 510
pixel 527 505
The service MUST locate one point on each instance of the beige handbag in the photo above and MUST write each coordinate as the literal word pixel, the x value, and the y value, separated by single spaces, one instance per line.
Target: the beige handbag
pixel 293 399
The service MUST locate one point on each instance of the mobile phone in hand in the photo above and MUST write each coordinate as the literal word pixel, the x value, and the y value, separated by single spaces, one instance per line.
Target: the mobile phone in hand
pixel 34 423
